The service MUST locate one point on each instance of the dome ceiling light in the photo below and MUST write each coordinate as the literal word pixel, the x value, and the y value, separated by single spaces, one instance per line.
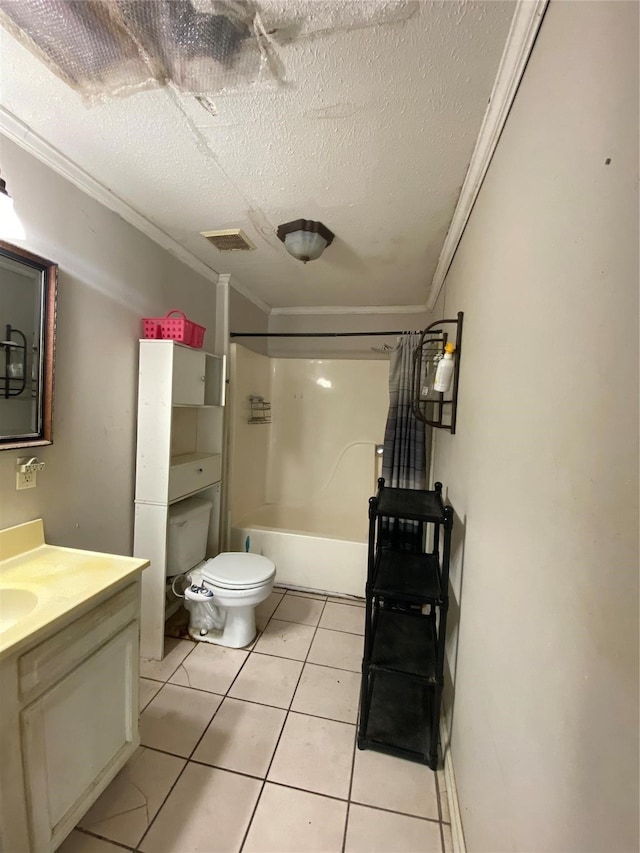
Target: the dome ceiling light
pixel 304 239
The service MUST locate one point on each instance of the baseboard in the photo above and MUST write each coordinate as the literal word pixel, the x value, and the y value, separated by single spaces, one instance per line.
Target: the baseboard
pixel 457 832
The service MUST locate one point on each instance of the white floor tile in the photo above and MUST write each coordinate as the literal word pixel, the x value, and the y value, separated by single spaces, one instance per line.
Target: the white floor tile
pixel 328 692
pixel 295 608
pixel 267 679
pixel 335 648
pixel 343 617
pixel 314 754
pixel 175 651
pixel 290 821
pixel 207 811
pixel 242 736
pixel 175 719
pixel 78 842
pixel 210 667
pixel 146 691
pixel 125 809
pixel 285 639
pixel 264 611
pixel 393 783
pixel 374 831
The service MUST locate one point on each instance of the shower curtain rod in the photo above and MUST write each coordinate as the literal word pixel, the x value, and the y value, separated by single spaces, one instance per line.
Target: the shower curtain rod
pixel 324 334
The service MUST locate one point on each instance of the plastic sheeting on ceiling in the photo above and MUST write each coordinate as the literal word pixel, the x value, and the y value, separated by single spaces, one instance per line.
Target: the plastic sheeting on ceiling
pixel 107 48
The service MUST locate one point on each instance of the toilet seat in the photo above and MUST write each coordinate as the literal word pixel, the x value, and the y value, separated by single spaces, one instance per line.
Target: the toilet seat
pixel 238 570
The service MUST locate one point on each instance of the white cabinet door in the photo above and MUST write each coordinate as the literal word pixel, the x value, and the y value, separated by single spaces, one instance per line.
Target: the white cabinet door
pixel 215 380
pixel 75 734
pixel 189 377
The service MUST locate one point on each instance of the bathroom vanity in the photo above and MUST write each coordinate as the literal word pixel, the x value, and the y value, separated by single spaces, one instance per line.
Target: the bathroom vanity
pixel 69 651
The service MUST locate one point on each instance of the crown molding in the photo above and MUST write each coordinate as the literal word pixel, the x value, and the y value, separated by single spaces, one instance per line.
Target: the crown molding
pixel 343 310
pixel 20 133
pixel 525 24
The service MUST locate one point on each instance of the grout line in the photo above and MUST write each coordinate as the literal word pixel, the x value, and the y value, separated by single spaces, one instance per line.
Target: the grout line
pixel 188 759
pixel 102 838
pixel 274 655
pixel 284 723
pixel 296 787
pixel 261 704
pixel 353 764
pixel 190 652
pixel 339 631
pixel 288 711
pixel 395 811
pixel 439 807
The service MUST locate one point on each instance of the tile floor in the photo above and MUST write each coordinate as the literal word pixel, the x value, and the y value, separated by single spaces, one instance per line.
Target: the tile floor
pixel 254 750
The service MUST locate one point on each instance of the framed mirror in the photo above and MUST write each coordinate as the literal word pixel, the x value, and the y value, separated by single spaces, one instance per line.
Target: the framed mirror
pixel 28 290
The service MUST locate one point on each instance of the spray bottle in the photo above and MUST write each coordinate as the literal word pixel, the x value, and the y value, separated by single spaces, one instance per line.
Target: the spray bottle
pixel 444 372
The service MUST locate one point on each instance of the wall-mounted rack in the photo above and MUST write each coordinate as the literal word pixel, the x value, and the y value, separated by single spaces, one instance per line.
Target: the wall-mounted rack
pixel 434 408
pixel 14 369
pixel 260 410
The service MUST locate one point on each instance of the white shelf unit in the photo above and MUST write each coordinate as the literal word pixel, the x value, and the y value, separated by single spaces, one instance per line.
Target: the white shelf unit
pixel 181 397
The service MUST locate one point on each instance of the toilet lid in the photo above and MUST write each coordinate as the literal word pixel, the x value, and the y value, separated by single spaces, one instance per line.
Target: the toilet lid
pixel 234 570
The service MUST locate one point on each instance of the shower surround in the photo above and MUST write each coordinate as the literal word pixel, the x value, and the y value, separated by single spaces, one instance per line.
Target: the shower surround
pixel 299 486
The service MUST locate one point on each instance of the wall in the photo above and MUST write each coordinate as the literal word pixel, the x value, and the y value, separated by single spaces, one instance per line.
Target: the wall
pixel 246 316
pixel 110 276
pixel 248 443
pixel 328 415
pixel 543 469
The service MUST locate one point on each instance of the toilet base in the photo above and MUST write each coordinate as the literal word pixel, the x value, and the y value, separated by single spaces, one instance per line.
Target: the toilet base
pixel 239 629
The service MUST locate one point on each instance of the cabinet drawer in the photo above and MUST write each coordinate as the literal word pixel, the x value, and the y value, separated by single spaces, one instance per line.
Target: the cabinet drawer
pixel 43 666
pixel 193 471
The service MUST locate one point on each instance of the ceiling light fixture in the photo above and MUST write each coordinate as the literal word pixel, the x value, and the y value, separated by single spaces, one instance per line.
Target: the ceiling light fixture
pixel 10 226
pixel 304 239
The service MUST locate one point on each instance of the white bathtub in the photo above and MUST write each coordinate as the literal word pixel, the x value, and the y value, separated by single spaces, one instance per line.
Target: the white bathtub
pixel 314 548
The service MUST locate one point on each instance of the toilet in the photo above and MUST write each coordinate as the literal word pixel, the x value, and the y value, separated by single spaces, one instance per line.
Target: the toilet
pixel 221 593
pixel 229 586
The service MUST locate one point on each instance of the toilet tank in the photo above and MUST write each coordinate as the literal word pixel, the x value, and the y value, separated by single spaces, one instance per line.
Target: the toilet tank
pixel 187 534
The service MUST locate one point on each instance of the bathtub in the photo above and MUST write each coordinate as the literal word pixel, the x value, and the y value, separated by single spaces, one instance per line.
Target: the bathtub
pixel 315 548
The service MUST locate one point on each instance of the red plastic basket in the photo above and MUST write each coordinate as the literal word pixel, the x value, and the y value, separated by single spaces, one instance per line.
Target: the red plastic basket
pixel 174 329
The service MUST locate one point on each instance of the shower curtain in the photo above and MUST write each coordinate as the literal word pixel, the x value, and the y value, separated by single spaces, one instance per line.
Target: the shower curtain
pixel 405 453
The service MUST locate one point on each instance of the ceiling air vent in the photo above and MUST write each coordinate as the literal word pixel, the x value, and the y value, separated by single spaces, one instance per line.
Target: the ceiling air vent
pixel 231 240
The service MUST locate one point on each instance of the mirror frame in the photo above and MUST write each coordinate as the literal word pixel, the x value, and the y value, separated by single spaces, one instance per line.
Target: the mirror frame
pixel 49 272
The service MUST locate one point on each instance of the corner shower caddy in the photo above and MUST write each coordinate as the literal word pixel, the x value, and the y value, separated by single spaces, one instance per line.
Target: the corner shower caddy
pixel 434 408
pixel 260 410
pixel 406 617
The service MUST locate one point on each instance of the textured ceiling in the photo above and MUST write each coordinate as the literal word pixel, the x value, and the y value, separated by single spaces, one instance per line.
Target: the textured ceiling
pixel 370 131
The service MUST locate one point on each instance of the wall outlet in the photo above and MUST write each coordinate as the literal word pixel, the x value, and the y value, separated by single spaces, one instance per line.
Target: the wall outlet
pixel 26 479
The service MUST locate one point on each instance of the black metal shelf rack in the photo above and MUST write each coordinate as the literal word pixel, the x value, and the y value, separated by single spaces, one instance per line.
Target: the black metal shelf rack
pixel 406 616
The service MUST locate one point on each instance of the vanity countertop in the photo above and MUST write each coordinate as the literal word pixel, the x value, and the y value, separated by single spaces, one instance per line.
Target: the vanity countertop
pixel 44 584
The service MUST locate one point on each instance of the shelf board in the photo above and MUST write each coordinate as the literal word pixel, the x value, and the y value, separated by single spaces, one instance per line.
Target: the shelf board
pixel 407 576
pixel 411 504
pixel 400 717
pixel 196 406
pixel 186 458
pixel 404 643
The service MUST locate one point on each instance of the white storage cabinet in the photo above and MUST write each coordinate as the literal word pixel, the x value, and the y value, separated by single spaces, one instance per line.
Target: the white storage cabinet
pixel 181 397
pixel 69 707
